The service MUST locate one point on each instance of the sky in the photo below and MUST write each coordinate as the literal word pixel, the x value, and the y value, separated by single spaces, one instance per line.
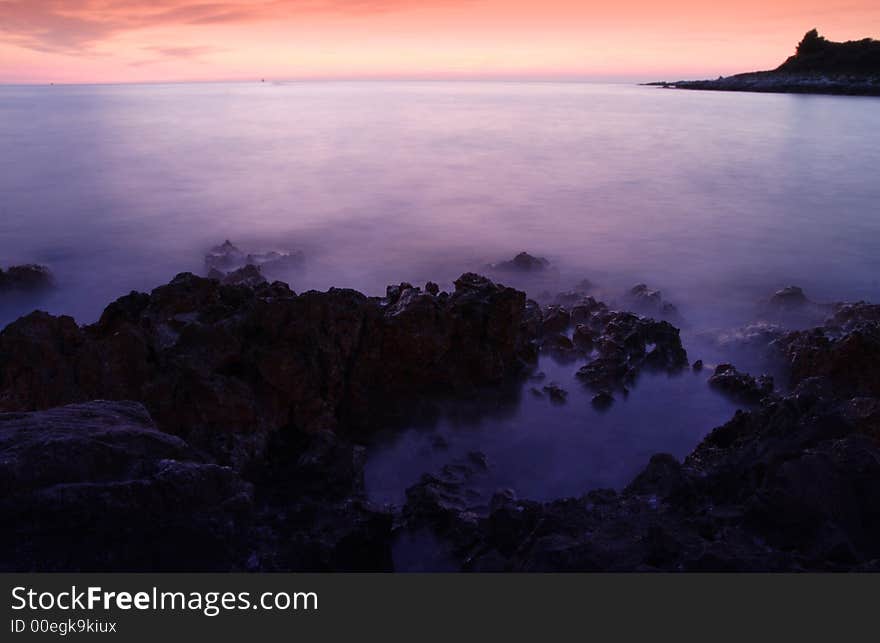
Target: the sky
pixel 111 41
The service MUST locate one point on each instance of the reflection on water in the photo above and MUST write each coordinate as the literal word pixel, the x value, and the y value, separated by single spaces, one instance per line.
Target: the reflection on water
pixel 546 450
pixel 717 199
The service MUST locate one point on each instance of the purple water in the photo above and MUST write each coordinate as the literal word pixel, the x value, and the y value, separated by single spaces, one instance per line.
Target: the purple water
pixel 717 199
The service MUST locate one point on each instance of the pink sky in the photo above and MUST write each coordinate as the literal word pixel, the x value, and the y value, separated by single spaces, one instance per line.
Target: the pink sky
pixel 159 40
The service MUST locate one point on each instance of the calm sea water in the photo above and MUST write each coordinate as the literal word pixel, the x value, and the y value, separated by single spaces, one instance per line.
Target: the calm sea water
pixel 718 199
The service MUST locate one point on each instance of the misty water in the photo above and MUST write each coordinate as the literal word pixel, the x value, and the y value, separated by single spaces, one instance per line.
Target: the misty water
pixel 716 199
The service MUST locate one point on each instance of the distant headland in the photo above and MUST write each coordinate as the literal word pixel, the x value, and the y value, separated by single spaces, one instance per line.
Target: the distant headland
pixel 819 66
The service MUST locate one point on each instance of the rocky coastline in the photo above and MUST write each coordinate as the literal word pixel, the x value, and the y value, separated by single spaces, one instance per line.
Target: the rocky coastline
pixel 220 424
pixel 819 66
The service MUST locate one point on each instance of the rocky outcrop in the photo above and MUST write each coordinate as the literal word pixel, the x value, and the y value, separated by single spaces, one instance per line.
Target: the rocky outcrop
pixel 523 262
pixel 648 301
pixel 227 259
pixel 818 67
pixel 25 278
pixel 225 366
pixel 96 486
pixel 846 350
pixel 741 386
pixel 625 344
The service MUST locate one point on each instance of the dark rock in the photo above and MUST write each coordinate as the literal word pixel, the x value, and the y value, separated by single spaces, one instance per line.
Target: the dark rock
pixel 602 400
pixel 96 487
pixel 741 385
pixel 583 337
pixel 645 300
pixel 819 66
pixel 523 262
pixel 557 394
pixel 558 344
pixel 250 275
pixel 556 319
pixel 431 288
pixel 224 258
pixel 846 350
pixel 228 258
pixel 698 365
pixel 27 278
pixel 626 344
pixel 789 298
pixel 225 366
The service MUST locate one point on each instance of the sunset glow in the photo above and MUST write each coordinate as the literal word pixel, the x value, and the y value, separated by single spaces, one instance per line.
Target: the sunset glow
pixel 132 40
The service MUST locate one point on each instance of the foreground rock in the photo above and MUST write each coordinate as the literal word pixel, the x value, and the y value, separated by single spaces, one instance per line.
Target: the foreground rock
pixel 261 396
pixel 25 278
pixel 96 486
pixel 225 366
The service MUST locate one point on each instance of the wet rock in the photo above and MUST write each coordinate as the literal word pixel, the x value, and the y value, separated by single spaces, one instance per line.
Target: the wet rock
pixel 26 278
pixel 698 366
pixel 789 298
pixel 226 366
pixel 556 319
pixel 228 258
pixel 96 486
pixel 224 258
pixel 558 344
pixel 584 337
pixel 250 275
pixel 556 393
pixel 739 385
pixel 449 503
pixel 603 400
pixel 646 300
pixel 584 309
pixel 626 344
pixel 791 485
pixel 523 262
pixel 845 350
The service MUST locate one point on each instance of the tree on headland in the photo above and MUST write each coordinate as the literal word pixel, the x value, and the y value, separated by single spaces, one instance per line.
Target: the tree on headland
pixel 811 43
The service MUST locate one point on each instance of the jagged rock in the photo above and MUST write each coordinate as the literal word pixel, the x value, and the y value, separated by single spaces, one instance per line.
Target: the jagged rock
pixel 846 350
pixel 432 289
pixel 583 337
pixel 584 309
pixel 556 319
pixel 741 385
pixel 250 275
pixel 626 344
pixel 225 366
pixel 602 400
pixel 556 393
pixel 228 258
pixel 96 486
pixel 698 366
pixel 558 344
pixel 28 277
pixel 523 262
pixel 645 300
